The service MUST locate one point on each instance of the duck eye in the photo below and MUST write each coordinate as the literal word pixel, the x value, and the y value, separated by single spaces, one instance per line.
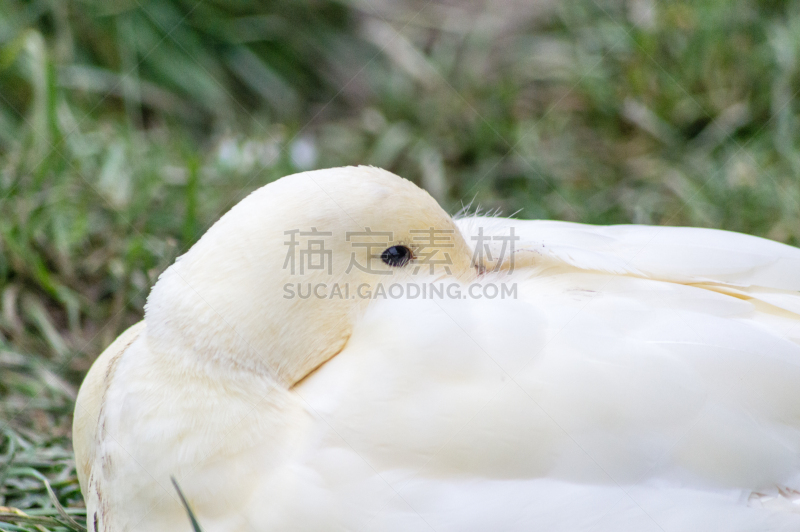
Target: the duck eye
pixel 396 256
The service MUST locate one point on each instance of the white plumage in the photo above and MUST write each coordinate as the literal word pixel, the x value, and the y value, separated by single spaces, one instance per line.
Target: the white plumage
pixel 644 378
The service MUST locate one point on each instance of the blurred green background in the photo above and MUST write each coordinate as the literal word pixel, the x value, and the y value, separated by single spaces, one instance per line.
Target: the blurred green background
pixel 128 126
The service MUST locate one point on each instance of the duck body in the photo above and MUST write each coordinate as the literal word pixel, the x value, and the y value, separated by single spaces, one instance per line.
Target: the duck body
pixel 630 378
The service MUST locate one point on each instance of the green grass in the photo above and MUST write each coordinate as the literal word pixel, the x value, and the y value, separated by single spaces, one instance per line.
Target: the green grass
pixel 128 127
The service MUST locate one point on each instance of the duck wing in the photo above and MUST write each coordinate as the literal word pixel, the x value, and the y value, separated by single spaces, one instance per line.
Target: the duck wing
pixel 613 392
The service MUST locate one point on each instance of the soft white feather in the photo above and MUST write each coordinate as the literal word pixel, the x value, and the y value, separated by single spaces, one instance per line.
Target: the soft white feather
pixel 644 378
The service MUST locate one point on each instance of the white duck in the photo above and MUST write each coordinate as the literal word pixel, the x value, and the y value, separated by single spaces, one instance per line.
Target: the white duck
pixel 644 378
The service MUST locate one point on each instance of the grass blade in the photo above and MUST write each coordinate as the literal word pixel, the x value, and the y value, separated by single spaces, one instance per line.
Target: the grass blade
pixel 192 518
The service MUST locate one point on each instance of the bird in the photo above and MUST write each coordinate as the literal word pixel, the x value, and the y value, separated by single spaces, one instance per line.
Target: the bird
pixel 338 353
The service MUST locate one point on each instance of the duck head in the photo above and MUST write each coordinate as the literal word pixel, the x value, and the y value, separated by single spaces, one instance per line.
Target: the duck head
pixel 275 286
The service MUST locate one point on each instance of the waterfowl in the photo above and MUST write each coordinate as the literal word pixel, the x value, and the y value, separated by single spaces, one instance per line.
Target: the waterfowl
pixel 337 353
